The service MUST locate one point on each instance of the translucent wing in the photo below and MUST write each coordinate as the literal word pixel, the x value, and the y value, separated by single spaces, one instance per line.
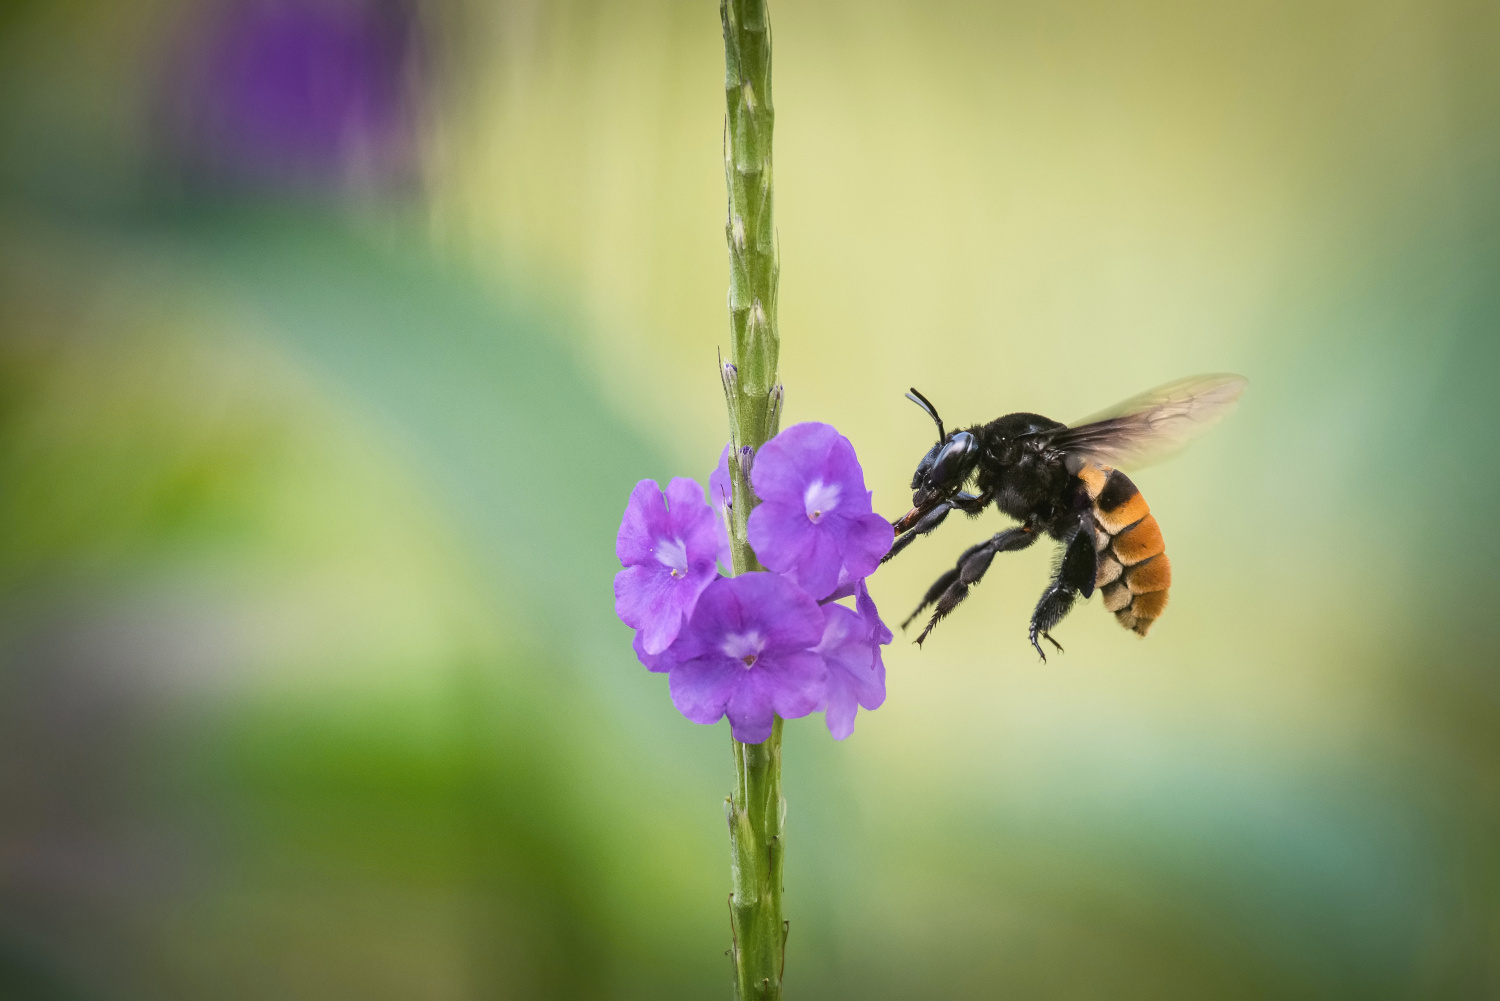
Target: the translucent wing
pixel 1153 425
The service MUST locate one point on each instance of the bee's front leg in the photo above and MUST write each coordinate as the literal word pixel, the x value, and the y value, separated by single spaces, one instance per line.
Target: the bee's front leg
pixel 967 503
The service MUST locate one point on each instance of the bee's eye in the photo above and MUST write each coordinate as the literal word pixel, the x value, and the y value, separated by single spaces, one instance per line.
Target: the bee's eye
pixel 952 460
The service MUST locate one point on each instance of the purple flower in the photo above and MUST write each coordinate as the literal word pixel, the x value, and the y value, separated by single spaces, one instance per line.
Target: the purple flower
pixel 814 518
pixel 746 653
pixel 668 550
pixel 851 648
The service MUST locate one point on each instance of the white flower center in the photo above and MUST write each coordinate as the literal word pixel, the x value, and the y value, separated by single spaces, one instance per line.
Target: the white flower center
pixel 744 647
pixel 672 553
pixel 820 498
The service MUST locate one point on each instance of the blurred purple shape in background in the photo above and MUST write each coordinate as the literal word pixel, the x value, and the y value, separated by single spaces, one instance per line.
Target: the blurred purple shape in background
pixel 299 94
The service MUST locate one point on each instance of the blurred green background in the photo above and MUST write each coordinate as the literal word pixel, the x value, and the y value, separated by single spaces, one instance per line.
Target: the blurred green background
pixel 333 334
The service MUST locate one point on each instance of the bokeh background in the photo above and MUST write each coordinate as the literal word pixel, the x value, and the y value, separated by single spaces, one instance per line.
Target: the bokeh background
pixel 333 334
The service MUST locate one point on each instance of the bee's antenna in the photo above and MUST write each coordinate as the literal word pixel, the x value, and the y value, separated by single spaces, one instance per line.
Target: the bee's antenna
pixel 927 406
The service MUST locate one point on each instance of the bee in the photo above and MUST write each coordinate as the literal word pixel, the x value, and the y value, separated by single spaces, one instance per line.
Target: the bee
pixel 1061 480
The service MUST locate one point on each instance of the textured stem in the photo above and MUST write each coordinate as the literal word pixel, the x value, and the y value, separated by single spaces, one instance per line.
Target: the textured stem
pixel 750 228
pixel 756 811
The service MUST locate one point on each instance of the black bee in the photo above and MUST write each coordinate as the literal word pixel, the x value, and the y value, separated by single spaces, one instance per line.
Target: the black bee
pixel 1061 481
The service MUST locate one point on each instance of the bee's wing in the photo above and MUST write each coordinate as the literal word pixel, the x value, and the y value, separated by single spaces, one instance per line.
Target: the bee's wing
pixel 1153 425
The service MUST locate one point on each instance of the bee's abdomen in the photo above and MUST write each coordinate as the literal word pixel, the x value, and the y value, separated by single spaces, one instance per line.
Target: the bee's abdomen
pixel 1134 572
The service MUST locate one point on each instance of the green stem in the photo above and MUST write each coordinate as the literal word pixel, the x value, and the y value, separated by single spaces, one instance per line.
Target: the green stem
pixel 750 227
pixel 756 811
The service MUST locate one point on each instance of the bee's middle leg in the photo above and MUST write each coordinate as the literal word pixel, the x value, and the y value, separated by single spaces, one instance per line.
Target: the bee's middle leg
pixel 1075 574
pixel 953 586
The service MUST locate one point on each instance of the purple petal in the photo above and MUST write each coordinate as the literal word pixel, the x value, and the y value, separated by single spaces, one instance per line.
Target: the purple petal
pixel 650 599
pixel 750 709
pixel 869 687
pixel 845 643
pixel 669 545
pixel 779 533
pixel 863 541
pixel 804 454
pixel 765 614
pixel 790 616
pixel 750 718
pixel 815 519
pixel 681 516
pixel 645 521
pixel 800 682
pixel 788 543
pixel 865 606
pixel 841 709
pixel 702 687
pixel 718 611
pixel 845 588
pixel 694 521
pixel 842 467
pixel 817 572
pixel 660 663
pixel 645 595
pixel 786 616
pixel 796 457
pixel 873 697
pixel 790 686
pixel 851 654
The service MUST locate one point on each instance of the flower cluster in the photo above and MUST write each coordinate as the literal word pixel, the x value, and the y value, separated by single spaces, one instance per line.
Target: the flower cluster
pixel 767 643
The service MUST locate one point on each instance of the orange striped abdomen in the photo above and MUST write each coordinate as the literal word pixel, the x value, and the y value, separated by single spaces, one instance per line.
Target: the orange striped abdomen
pixel 1134 572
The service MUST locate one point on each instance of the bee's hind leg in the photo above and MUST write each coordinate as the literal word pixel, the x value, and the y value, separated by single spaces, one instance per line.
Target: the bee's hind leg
pixel 1075 573
pixel 953 586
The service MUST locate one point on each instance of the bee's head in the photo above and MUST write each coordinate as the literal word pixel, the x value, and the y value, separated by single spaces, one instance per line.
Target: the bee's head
pixel 946 466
